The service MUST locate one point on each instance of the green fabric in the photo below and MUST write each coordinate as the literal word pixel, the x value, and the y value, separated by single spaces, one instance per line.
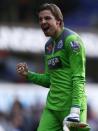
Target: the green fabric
pixel 64 72
pixel 77 63
pixel 49 122
pixel 52 120
pixel 40 79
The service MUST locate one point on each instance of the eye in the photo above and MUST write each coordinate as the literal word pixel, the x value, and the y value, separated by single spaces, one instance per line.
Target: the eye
pixel 40 19
pixel 47 18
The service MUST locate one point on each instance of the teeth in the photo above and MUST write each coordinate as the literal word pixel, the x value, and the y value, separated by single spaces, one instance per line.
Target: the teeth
pixel 45 29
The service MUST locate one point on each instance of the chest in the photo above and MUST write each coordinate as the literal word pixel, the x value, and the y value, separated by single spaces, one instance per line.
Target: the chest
pixel 55 54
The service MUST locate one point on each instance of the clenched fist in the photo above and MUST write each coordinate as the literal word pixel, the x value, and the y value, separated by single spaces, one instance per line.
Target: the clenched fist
pixel 22 69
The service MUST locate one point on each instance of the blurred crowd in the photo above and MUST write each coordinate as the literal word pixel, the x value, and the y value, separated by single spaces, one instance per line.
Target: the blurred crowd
pixel 8 61
pixel 20 118
pixel 92 118
pixel 79 13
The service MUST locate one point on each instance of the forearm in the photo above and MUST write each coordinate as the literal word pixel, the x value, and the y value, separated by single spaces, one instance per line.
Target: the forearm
pixel 78 90
pixel 40 79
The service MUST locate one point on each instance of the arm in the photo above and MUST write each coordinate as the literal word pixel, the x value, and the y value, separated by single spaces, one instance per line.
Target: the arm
pixel 77 63
pixel 40 79
pixel 36 78
pixel 76 53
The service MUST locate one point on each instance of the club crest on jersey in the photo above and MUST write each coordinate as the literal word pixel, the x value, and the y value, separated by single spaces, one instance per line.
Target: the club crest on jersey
pixel 60 44
pixel 75 46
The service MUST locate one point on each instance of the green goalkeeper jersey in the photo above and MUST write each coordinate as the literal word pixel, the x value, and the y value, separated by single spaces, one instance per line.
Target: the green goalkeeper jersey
pixel 64 72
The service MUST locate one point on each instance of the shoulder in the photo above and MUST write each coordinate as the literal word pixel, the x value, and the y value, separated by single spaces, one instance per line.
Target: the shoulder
pixel 48 42
pixel 71 36
pixel 73 42
pixel 68 32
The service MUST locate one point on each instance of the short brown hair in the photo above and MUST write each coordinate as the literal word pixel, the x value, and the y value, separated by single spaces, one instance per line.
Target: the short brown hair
pixel 55 10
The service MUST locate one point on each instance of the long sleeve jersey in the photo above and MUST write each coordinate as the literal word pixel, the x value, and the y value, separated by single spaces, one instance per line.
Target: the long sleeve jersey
pixel 64 72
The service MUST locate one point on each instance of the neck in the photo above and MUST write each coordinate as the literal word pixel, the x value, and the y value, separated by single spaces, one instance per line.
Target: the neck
pixel 58 32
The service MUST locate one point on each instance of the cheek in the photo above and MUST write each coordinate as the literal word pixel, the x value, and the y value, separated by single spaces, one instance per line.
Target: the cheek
pixel 54 25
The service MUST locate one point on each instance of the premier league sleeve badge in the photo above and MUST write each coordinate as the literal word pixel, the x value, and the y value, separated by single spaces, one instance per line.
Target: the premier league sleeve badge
pixel 75 46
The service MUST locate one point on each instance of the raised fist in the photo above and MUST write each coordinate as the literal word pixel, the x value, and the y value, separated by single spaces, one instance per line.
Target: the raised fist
pixel 22 69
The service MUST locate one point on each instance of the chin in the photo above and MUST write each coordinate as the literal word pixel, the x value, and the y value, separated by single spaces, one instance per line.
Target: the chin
pixel 47 34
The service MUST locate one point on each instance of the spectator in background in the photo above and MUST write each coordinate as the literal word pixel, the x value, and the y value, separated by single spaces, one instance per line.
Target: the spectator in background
pixel 18 117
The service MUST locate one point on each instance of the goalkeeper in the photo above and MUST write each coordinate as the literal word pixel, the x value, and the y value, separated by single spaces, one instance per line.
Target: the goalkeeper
pixel 64 73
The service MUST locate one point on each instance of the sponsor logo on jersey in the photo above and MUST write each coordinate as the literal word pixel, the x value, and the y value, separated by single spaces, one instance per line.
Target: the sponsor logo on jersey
pixel 75 46
pixel 54 63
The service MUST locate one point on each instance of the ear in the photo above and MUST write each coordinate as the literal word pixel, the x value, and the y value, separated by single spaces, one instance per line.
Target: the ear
pixel 58 22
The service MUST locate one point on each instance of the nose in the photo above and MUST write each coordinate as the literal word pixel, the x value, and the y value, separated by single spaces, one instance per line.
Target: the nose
pixel 42 21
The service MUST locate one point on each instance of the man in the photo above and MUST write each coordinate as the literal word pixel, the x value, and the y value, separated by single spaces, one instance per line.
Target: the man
pixel 64 73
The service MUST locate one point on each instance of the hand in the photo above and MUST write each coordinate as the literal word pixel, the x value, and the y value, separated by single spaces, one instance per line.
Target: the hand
pixel 22 69
pixel 69 124
pixel 73 118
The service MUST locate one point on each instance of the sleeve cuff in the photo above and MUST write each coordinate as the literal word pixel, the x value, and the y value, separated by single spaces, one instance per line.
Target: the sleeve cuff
pixel 29 75
pixel 75 110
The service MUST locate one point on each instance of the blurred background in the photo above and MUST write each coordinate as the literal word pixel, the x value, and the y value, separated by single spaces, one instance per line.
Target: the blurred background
pixel 21 40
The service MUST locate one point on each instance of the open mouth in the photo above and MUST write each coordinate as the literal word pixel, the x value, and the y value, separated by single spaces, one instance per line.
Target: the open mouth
pixel 45 28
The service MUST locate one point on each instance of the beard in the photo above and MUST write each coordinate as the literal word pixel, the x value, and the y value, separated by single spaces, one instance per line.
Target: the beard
pixel 49 32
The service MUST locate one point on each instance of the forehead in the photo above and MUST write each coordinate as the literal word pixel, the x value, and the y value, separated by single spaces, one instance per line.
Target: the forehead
pixel 45 13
